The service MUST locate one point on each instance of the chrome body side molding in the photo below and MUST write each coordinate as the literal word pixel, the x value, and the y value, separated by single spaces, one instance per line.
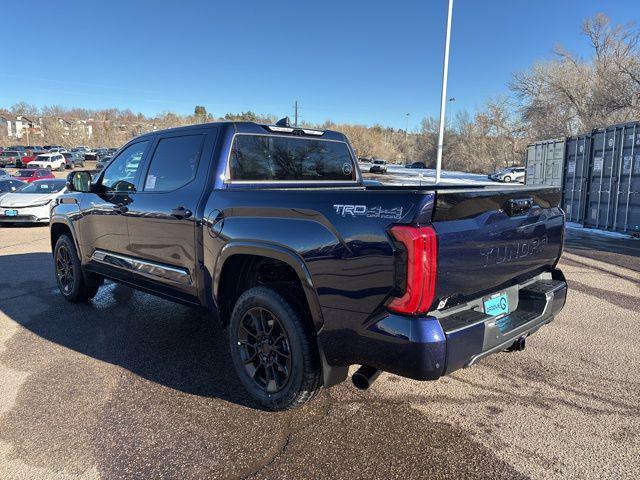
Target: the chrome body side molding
pixel 143 267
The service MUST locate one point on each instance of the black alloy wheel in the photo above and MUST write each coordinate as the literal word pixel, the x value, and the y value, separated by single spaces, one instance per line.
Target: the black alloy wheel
pixel 274 348
pixel 64 270
pixel 264 349
pixel 74 284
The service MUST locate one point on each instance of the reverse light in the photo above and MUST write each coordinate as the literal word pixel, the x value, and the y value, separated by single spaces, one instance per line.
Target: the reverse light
pixel 421 246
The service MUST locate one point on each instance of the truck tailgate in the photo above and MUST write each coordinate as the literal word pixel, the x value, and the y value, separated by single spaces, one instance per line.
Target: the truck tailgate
pixel 488 239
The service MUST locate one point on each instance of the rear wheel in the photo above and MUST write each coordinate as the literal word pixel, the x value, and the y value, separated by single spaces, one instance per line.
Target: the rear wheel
pixel 73 283
pixel 273 350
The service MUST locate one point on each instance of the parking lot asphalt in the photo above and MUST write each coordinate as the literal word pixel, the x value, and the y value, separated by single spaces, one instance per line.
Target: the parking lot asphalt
pixel 131 386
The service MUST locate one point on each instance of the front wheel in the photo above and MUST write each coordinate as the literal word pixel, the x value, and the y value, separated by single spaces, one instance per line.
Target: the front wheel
pixel 73 283
pixel 274 350
pixel 507 179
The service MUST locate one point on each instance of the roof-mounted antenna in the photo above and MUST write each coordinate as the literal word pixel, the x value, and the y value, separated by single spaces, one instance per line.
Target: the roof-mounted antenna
pixel 283 122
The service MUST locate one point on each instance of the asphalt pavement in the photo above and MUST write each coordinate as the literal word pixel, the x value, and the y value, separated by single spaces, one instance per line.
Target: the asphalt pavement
pixel 131 386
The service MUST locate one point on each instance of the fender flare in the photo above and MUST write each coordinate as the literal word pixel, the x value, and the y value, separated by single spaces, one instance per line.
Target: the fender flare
pixel 62 220
pixel 276 252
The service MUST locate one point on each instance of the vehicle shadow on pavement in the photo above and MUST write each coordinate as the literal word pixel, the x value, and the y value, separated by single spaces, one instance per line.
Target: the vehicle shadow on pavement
pixel 170 344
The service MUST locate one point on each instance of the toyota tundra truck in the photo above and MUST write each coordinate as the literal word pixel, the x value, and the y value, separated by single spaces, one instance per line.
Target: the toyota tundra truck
pixel 308 267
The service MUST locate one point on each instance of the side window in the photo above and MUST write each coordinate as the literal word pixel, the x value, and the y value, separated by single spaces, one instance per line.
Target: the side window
pixel 174 163
pixel 120 175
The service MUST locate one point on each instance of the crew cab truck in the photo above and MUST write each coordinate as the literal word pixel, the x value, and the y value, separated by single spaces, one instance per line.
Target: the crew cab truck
pixel 309 268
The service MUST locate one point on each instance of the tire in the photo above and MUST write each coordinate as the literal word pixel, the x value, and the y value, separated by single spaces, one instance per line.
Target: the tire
pixel 48 167
pixel 73 283
pixel 285 373
pixel 507 179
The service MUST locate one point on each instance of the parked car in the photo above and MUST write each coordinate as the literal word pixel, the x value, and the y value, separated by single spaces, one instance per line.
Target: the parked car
pixel 9 185
pixel 50 161
pixel 100 164
pixel 10 157
pixel 73 159
pixel 19 148
pixel 273 230
pixel 419 165
pixel 30 175
pixel 91 155
pixel 32 203
pixel 511 174
pixel 378 166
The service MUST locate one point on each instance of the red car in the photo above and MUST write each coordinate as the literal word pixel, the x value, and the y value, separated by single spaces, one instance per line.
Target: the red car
pixel 33 175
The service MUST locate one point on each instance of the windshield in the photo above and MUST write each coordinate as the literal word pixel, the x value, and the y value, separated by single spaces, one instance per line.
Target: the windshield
pixel 270 157
pixel 378 162
pixel 44 187
pixel 26 173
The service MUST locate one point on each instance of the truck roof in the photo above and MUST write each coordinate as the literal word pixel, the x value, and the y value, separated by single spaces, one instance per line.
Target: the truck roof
pixel 252 127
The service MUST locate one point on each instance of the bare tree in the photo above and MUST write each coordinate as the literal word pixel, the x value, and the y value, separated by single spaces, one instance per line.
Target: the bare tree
pixel 568 94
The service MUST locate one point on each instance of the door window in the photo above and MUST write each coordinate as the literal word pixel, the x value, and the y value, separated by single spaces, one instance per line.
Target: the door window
pixel 174 163
pixel 120 175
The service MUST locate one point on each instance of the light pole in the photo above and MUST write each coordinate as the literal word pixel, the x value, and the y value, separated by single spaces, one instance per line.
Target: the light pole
pixel 406 130
pixel 443 97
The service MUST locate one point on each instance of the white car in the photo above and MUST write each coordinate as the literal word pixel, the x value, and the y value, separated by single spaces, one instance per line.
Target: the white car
pixel 511 174
pixel 50 161
pixel 32 203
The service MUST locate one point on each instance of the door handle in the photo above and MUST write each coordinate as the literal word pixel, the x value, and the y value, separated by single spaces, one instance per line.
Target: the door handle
pixel 180 213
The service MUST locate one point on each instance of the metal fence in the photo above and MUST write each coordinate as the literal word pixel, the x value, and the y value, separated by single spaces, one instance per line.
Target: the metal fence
pixel 599 175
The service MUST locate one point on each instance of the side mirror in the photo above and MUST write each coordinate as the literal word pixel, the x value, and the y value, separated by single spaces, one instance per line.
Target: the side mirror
pixel 79 181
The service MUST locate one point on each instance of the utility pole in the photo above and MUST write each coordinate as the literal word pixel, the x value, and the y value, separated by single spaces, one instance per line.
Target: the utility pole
pixel 443 98
pixel 295 110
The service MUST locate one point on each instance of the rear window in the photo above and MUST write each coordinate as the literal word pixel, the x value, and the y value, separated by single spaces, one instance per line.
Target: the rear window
pixel 26 173
pixel 273 158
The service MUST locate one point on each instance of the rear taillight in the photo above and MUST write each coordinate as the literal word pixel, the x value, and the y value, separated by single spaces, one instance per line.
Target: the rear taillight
pixel 421 252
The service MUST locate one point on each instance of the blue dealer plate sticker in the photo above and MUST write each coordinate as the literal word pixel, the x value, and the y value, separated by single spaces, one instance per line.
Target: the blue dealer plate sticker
pixel 497 305
pixel 11 213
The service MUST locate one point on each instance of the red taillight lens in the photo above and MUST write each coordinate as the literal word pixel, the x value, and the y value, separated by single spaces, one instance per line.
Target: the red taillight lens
pixel 421 246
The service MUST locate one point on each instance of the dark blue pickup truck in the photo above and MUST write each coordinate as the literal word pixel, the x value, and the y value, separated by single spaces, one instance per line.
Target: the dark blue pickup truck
pixel 310 268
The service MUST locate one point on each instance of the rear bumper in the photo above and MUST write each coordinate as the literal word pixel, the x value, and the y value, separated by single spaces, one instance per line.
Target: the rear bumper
pixel 429 347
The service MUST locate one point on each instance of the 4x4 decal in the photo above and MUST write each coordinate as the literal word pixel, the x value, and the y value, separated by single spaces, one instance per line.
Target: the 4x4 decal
pixel 368 212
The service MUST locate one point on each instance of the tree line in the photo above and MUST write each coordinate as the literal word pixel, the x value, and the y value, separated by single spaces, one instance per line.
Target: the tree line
pixel 563 96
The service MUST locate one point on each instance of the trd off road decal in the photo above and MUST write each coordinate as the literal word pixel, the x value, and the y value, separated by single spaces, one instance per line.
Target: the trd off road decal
pixel 368 212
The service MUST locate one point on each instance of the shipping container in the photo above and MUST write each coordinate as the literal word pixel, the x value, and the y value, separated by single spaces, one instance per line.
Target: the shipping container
pixel 576 177
pixel 545 163
pixel 599 173
pixel 613 194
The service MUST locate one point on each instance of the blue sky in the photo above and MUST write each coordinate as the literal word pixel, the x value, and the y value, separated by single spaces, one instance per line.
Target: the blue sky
pixel 351 61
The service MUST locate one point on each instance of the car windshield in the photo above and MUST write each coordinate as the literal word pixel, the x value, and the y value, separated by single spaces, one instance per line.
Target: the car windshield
pixel 26 173
pixel 43 158
pixel 44 186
